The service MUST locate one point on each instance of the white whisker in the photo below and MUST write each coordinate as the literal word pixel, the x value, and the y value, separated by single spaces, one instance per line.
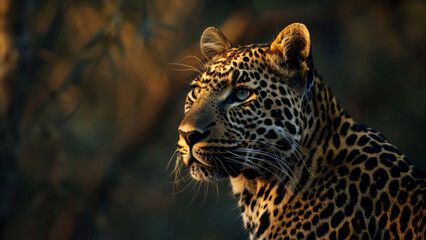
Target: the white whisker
pixel 188 67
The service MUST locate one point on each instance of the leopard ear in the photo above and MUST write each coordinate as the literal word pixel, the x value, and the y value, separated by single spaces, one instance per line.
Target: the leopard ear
pixel 293 43
pixel 213 42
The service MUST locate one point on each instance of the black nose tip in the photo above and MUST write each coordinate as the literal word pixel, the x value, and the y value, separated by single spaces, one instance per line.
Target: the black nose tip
pixel 192 137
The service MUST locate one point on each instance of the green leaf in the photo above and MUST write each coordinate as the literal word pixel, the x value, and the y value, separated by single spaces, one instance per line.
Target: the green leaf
pixel 76 74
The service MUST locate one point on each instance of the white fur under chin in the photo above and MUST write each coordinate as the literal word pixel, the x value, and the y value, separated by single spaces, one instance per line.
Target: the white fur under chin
pixel 241 183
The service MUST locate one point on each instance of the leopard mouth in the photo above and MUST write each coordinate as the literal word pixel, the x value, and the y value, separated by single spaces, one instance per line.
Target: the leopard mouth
pixel 212 164
pixel 206 155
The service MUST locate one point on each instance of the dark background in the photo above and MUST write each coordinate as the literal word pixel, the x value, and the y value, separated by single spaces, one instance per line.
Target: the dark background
pixel 90 102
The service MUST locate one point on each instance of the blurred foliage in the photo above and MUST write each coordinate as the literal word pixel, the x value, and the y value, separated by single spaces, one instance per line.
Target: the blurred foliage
pixel 90 104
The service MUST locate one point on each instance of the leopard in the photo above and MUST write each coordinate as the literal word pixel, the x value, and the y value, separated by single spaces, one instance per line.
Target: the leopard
pixel 262 118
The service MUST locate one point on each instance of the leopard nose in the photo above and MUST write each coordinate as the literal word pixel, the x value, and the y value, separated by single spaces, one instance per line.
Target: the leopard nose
pixel 192 137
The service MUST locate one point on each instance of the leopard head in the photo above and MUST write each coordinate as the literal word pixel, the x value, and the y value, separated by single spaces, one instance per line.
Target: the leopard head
pixel 246 111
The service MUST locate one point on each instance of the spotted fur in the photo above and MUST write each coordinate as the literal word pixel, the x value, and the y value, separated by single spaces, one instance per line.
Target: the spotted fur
pixel 300 167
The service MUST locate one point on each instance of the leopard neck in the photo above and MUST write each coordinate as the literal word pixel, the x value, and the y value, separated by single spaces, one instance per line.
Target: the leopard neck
pixel 255 196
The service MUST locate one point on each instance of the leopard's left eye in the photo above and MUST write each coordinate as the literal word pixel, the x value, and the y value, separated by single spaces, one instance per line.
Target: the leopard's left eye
pixel 196 91
pixel 241 94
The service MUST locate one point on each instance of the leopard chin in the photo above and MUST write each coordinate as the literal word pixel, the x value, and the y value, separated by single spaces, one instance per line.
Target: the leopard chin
pixel 201 172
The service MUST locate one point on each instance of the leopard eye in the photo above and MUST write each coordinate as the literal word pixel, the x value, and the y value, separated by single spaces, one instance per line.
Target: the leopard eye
pixel 241 94
pixel 196 91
